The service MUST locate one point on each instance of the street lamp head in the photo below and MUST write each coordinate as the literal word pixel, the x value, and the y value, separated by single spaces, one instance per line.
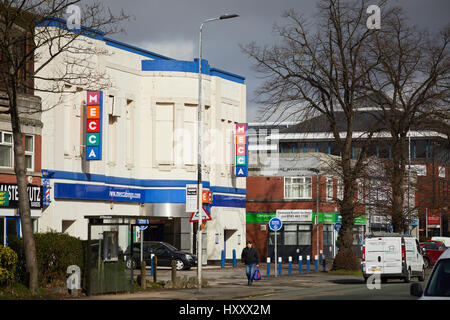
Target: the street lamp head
pixel 228 16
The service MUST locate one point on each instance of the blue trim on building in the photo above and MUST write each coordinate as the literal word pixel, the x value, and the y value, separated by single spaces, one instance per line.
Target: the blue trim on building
pixel 189 66
pixel 86 177
pixel 227 75
pixel 76 191
pixel 62 24
pixel 228 201
pixel 108 193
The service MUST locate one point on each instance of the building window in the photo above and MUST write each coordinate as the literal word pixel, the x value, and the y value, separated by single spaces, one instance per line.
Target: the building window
pixel 304 235
pixel 164 133
pixel 360 192
pixel 329 189
pixel 340 190
pixel 290 235
pixel 6 149
pixel 298 188
pixel 29 152
pixel 327 234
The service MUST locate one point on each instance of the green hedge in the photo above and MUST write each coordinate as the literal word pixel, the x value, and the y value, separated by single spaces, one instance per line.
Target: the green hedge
pixel 8 261
pixel 55 252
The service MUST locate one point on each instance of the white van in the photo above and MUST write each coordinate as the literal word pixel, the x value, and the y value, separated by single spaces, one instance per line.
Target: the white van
pixel 393 256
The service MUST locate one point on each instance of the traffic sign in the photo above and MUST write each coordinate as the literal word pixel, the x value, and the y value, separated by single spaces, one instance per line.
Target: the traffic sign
pixel 143 222
pixel 275 224
pixel 337 226
pixel 205 216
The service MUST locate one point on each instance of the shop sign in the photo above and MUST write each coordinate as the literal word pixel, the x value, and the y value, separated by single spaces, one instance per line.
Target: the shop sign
pixel 306 217
pixel 94 125
pixel 433 220
pixel 295 215
pixel 12 201
pixel 362 220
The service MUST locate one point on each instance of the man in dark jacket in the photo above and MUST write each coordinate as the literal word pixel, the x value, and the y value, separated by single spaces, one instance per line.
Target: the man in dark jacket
pixel 250 258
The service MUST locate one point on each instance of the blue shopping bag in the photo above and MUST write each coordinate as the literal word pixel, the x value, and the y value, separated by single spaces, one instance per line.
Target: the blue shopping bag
pixel 257 274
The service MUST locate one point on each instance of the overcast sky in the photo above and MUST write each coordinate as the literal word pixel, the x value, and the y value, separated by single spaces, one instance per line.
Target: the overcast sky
pixel 171 28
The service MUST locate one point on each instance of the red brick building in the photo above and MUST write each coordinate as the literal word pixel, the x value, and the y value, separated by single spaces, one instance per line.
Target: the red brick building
pixel 292 196
pixel 29 107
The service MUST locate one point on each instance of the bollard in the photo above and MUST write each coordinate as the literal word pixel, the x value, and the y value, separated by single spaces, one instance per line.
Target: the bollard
pixel 279 266
pixel 151 264
pixel 174 271
pixel 155 268
pixel 143 277
pixel 307 264
pixel 290 266
pixel 300 264
pixel 316 263
pixel 324 263
pixel 223 259
pixel 268 267
pixel 362 268
pixel 234 259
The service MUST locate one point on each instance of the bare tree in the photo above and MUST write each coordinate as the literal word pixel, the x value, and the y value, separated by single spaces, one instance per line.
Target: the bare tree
pixel 412 77
pixel 322 72
pixel 34 33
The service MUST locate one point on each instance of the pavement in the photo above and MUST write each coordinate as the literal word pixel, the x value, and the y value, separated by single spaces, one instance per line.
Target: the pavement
pixel 231 284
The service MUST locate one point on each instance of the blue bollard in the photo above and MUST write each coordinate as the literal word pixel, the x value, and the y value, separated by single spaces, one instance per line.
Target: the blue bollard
pixel 234 259
pixel 324 263
pixel 316 263
pixel 223 259
pixel 307 264
pixel 362 269
pixel 268 267
pixel 279 266
pixel 290 266
pixel 151 265
pixel 300 264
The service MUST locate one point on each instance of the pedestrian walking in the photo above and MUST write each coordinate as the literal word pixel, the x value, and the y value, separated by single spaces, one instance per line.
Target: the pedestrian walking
pixel 250 258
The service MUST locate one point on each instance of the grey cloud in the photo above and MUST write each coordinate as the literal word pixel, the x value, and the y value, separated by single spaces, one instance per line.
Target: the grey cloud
pixel 175 23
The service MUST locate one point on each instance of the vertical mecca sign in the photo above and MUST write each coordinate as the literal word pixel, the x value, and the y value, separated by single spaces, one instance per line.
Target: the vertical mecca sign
pixel 241 150
pixel 94 112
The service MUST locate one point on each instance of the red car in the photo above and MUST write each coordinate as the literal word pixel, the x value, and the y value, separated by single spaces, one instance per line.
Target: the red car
pixel 432 251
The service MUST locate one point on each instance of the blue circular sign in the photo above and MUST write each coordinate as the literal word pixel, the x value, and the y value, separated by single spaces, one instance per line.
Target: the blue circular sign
pixel 337 226
pixel 142 222
pixel 275 224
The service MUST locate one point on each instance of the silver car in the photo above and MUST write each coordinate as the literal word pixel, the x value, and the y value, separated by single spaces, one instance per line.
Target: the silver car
pixel 438 285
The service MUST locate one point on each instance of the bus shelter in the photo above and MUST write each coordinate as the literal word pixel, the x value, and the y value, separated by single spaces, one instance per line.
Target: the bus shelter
pixel 108 251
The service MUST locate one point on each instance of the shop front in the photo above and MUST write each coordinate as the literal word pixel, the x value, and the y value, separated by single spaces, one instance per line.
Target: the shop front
pixel 10 224
pixel 298 235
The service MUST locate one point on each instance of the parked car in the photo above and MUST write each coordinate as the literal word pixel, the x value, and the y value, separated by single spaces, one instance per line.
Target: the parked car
pixel 165 254
pixel 392 256
pixel 438 284
pixel 444 240
pixel 432 250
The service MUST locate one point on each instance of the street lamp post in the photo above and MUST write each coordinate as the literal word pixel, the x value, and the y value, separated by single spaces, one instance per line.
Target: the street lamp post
pixel 199 165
